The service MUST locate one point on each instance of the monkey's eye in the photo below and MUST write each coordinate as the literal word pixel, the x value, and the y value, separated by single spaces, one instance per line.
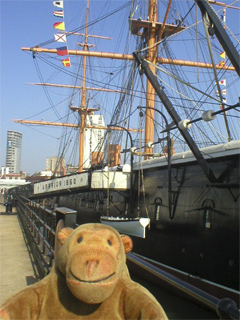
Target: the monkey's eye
pixel 79 239
pixel 109 242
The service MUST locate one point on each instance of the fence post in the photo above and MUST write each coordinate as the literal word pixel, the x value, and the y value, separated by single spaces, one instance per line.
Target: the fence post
pixel 69 216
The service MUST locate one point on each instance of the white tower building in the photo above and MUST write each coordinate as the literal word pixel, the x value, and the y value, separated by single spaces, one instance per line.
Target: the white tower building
pixel 93 138
pixel 14 151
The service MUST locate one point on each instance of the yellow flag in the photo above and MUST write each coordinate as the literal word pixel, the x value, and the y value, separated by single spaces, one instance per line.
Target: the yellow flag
pixel 59 26
pixel 223 55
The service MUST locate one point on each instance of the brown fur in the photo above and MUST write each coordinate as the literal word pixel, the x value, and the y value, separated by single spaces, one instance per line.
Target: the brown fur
pixel 89 280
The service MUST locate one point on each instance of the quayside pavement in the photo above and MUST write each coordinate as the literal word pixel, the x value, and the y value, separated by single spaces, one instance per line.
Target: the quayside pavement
pixel 16 268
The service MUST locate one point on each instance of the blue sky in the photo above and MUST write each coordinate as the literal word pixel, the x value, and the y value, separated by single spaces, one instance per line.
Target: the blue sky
pixel 23 23
pixel 26 24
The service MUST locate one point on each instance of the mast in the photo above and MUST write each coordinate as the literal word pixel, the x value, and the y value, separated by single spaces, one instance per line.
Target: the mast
pixel 71 125
pixel 82 109
pixel 120 56
pixel 150 95
pixel 175 117
pixel 75 87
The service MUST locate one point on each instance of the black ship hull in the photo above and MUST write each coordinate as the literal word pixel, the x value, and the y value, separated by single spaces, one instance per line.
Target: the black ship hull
pixel 199 235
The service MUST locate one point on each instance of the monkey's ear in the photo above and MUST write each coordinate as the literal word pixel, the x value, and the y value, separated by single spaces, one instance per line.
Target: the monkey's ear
pixel 127 242
pixel 64 234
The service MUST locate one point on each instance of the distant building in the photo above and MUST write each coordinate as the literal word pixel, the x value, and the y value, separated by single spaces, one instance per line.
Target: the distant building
pixel 14 151
pixel 4 170
pixel 56 165
pixel 93 139
pixel 39 176
pixel 45 173
pixel 71 169
pixel 9 180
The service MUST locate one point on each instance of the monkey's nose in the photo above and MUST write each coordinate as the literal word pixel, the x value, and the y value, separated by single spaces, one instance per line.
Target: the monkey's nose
pixel 91 266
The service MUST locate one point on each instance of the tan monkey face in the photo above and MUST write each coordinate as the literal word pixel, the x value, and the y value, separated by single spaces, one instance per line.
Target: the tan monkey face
pixel 93 261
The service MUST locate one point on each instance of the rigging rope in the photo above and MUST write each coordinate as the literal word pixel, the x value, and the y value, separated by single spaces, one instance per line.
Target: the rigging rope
pixel 205 23
pixel 45 90
pixel 89 24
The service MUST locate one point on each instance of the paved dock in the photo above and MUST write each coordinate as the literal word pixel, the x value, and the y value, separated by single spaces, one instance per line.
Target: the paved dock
pixel 16 268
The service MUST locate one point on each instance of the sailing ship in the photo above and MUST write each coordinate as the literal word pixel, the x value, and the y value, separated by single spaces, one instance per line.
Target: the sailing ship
pixel 166 167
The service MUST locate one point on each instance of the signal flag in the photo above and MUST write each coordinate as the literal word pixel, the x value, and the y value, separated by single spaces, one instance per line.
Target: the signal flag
pixel 66 62
pixel 58 4
pixel 59 26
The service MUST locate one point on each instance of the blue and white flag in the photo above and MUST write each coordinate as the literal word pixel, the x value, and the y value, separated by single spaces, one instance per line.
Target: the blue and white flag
pixel 58 4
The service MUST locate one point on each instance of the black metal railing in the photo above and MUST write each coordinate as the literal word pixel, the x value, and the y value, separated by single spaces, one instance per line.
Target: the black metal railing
pixel 225 308
pixel 39 226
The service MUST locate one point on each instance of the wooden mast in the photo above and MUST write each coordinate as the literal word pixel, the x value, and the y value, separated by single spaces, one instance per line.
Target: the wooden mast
pixel 74 87
pixel 152 57
pixel 120 56
pixel 154 34
pixel 83 109
pixel 70 125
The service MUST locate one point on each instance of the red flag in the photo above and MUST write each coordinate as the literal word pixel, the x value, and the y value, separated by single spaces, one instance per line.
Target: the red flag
pixel 66 62
pixel 63 51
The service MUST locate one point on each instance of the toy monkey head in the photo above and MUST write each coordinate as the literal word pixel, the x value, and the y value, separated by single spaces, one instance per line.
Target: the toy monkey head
pixel 92 258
